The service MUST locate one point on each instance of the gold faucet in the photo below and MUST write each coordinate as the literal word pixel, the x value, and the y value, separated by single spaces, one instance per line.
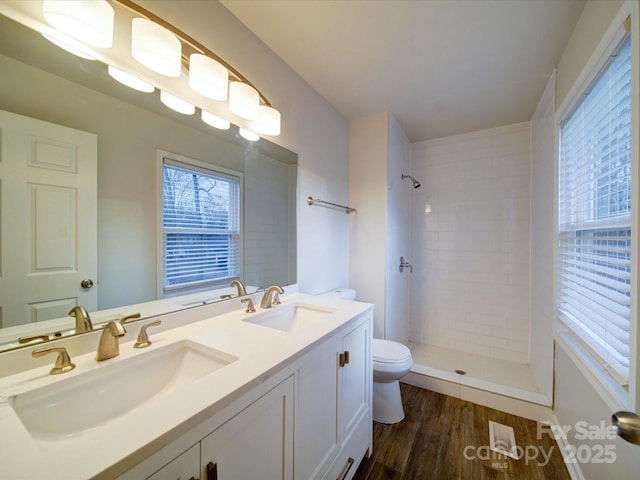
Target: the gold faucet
pixel 83 320
pixel 108 346
pixel 240 286
pixel 268 295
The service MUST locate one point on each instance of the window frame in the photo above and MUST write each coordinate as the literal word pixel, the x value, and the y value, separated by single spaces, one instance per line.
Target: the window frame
pixel 609 389
pixel 182 161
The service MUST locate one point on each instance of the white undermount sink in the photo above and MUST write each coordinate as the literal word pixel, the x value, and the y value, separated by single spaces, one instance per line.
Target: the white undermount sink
pixel 290 317
pixel 83 402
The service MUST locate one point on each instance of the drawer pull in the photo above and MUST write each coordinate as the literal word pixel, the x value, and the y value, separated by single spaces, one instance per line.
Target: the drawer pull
pixel 212 471
pixel 346 357
pixel 350 463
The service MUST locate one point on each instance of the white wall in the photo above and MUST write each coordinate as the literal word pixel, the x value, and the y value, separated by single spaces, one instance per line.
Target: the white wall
pixel 543 181
pixel 398 229
pixel 310 127
pixel 471 292
pixel 368 194
pixel 379 155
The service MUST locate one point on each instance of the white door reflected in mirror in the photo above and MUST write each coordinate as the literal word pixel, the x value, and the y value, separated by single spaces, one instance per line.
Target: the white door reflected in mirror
pixel 49 214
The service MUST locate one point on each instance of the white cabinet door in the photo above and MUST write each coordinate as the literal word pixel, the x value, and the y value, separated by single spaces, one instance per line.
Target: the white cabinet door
pixel 184 467
pixel 48 219
pixel 256 444
pixel 316 431
pixel 355 378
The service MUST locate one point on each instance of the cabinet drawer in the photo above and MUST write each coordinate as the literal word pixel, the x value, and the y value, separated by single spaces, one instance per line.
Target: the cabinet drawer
pixel 354 448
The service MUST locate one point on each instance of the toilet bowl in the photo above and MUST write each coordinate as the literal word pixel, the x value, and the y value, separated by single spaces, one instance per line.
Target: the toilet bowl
pixel 391 362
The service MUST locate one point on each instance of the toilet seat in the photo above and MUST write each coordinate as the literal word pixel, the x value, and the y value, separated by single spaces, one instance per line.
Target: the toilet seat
pixel 386 351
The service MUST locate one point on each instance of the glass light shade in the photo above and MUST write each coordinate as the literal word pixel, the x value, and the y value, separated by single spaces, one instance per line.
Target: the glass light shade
pixel 207 77
pixel 156 48
pixel 176 103
pixel 129 80
pixel 244 100
pixel 248 135
pixel 268 121
pixel 90 21
pixel 69 44
pixel 214 120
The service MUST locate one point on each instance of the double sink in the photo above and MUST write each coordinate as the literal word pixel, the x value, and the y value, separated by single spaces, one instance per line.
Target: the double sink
pixel 88 400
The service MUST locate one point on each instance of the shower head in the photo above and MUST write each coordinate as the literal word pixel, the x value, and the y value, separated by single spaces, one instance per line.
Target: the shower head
pixel 416 183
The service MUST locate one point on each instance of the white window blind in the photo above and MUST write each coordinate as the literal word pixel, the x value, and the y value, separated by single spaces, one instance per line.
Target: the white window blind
pixel 201 226
pixel 595 216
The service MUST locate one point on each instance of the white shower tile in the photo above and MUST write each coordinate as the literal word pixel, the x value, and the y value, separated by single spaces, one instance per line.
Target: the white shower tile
pixel 474 245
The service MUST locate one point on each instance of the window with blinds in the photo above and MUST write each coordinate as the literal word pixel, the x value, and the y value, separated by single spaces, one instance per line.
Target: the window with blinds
pixel 594 254
pixel 201 226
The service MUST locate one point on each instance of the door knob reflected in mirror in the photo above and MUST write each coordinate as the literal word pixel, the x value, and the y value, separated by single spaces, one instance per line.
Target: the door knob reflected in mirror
pixel 87 283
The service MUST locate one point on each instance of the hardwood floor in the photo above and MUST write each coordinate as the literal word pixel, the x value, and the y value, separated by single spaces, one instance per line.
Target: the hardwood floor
pixel 443 437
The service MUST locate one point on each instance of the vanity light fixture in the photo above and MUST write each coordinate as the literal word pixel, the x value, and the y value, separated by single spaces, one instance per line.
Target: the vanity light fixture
pixel 176 103
pixel 194 71
pixel 208 77
pixel 244 100
pixel 155 47
pixel 215 121
pixel 69 44
pixel 88 22
pixel 129 80
pixel 248 135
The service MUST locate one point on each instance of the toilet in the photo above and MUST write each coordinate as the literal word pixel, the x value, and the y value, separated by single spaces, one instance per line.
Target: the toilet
pixel 391 362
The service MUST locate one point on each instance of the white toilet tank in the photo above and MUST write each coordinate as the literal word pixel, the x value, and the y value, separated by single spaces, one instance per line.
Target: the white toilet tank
pixel 340 294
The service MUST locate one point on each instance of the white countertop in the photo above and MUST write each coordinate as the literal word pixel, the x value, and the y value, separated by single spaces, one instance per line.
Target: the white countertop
pixel 261 351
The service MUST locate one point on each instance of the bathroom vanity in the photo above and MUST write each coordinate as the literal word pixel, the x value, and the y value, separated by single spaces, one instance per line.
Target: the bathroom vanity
pixel 282 393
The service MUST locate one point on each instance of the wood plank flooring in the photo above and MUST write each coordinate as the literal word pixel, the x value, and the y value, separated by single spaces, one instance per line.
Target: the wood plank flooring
pixel 444 438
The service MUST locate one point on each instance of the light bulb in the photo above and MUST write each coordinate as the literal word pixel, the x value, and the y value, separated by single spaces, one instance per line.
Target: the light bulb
pixel 244 100
pixel 207 77
pixel 248 135
pixel 129 80
pixel 176 103
pixel 268 121
pixel 214 120
pixel 156 48
pixel 90 21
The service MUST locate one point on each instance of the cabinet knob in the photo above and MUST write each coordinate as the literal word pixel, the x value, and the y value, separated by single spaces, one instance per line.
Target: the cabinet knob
pixel 343 358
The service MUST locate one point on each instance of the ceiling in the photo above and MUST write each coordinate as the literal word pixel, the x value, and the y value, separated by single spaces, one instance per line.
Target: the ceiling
pixel 441 67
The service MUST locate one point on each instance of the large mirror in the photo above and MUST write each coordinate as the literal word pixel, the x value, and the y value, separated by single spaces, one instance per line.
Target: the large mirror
pixel 41 81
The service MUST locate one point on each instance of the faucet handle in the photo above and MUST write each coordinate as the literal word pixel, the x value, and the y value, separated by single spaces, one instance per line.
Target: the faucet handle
pixel 276 299
pixel 40 338
pixel 250 306
pixel 133 316
pixel 143 339
pixel 63 362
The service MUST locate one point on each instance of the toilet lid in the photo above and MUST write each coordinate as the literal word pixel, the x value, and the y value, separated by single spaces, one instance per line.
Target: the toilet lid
pixel 386 351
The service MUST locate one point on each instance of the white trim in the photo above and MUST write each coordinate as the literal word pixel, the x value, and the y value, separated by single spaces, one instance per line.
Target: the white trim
pixel 634 333
pixel 607 45
pixel 612 394
pixel 565 450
